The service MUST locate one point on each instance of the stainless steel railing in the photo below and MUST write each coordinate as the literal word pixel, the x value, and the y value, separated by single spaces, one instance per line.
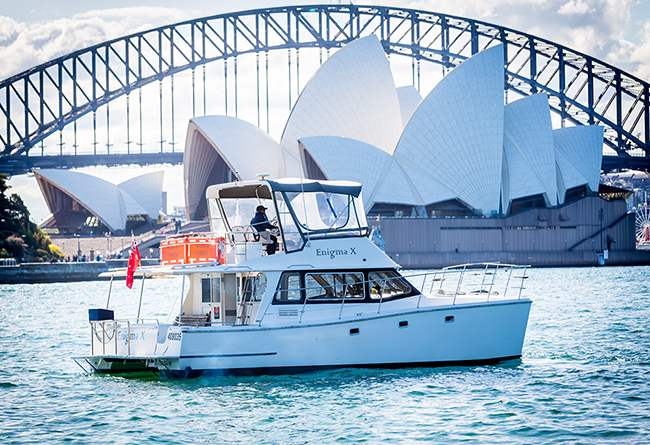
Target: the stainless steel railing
pixel 110 335
pixel 482 281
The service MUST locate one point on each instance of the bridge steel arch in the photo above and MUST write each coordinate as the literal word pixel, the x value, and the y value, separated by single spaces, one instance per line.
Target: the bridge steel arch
pixel 582 90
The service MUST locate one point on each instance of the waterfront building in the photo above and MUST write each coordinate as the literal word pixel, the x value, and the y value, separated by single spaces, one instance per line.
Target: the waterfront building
pixel 80 203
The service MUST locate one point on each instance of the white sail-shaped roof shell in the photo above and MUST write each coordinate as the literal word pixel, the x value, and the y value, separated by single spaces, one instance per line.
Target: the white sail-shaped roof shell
pixel 456 134
pixel 583 148
pixel 529 149
pixel 352 95
pixel 99 197
pixel 244 148
pixel 132 206
pixel 409 99
pixel 146 191
pixel 398 187
pixel 347 159
pixel 569 176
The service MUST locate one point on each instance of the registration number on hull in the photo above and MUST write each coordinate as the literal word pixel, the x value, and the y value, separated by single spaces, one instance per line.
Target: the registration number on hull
pixel 174 336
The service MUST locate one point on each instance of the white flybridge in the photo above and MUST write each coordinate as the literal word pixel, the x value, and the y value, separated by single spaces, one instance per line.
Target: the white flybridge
pixel 328 298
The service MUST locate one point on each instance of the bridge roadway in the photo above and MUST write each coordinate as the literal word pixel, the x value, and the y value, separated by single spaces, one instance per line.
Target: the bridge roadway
pixel 24 164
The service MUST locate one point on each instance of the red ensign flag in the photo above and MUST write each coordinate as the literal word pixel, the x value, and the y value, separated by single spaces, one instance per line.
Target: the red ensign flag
pixel 134 261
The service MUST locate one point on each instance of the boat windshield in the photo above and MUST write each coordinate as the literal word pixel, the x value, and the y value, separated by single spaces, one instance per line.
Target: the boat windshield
pixel 319 215
pixel 238 213
pixel 302 211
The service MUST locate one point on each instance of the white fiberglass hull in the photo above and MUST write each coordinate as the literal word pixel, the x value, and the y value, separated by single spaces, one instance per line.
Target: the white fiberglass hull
pixel 461 334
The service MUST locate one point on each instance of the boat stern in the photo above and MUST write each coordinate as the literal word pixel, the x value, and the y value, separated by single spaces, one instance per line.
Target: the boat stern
pixel 118 346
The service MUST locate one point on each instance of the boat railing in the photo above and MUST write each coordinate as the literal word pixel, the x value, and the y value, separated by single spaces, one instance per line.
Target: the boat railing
pixel 490 280
pixel 478 281
pixel 246 244
pixel 110 335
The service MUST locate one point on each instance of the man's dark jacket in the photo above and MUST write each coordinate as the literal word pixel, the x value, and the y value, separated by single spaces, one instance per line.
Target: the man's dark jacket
pixel 261 222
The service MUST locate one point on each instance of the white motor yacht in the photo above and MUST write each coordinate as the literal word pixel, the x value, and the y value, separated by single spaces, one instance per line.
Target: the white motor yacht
pixel 328 298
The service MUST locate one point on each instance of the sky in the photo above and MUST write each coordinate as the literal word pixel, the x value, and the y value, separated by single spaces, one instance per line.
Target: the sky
pixel 31 33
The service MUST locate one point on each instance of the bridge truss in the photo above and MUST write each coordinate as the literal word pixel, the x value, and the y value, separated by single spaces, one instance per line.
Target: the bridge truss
pixel 45 99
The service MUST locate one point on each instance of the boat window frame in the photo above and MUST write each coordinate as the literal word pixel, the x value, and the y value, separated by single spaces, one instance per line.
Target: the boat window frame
pixel 279 289
pixel 293 217
pixel 224 218
pixel 398 277
pixel 304 232
pixel 314 233
pixel 335 298
pixel 308 234
pixel 212 278
pixel 366 282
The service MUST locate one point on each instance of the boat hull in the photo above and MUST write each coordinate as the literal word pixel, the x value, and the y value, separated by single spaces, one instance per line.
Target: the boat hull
pixel 117 365
pixel 447 336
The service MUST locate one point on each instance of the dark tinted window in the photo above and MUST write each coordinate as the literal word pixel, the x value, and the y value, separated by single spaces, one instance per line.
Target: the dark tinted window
pixel 334 286
pixel 289 290
pixel 387 285
pixel 211 290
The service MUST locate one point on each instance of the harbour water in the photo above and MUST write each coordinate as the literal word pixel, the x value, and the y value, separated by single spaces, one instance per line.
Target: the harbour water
pixel 584 378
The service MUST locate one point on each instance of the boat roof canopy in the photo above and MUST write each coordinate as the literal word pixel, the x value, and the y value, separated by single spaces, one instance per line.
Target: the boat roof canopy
pixel 309 185
pixel 253 189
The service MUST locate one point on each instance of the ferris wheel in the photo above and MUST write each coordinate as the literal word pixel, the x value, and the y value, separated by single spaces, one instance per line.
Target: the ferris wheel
pixel 643 225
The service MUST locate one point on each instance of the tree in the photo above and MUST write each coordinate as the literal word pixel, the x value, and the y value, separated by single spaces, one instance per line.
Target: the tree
pixel 19 236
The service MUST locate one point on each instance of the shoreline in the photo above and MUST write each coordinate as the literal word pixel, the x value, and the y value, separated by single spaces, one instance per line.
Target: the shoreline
pixel 34 273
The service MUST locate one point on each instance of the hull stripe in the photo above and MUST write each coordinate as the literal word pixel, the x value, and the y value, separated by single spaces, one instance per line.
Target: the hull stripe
pixel 274 370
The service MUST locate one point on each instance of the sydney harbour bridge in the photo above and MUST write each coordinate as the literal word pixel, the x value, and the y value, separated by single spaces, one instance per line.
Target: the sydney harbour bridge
pixel 96 93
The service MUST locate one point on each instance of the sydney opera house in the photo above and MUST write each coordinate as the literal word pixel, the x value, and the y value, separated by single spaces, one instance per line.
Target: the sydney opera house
pixel 459 151
pixel 81 203
pixel 454 173
pixel 458 175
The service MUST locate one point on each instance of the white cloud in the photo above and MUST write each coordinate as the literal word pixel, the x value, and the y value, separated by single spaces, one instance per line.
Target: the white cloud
pixel 170 15
pixel 574 7
pixel 23 46
pixel 594 27
pixel 9 29
pixel 641 54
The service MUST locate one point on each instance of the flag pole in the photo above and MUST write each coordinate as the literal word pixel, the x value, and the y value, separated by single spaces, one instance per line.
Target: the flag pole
pixel 139 259
pixel 142 286
pixel 140 303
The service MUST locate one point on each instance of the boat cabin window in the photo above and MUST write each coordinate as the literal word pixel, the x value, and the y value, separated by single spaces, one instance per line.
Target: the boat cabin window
pixel 387 285
pixel 337 286
pixel 334 286
pixel 289 291
pixel 211 290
